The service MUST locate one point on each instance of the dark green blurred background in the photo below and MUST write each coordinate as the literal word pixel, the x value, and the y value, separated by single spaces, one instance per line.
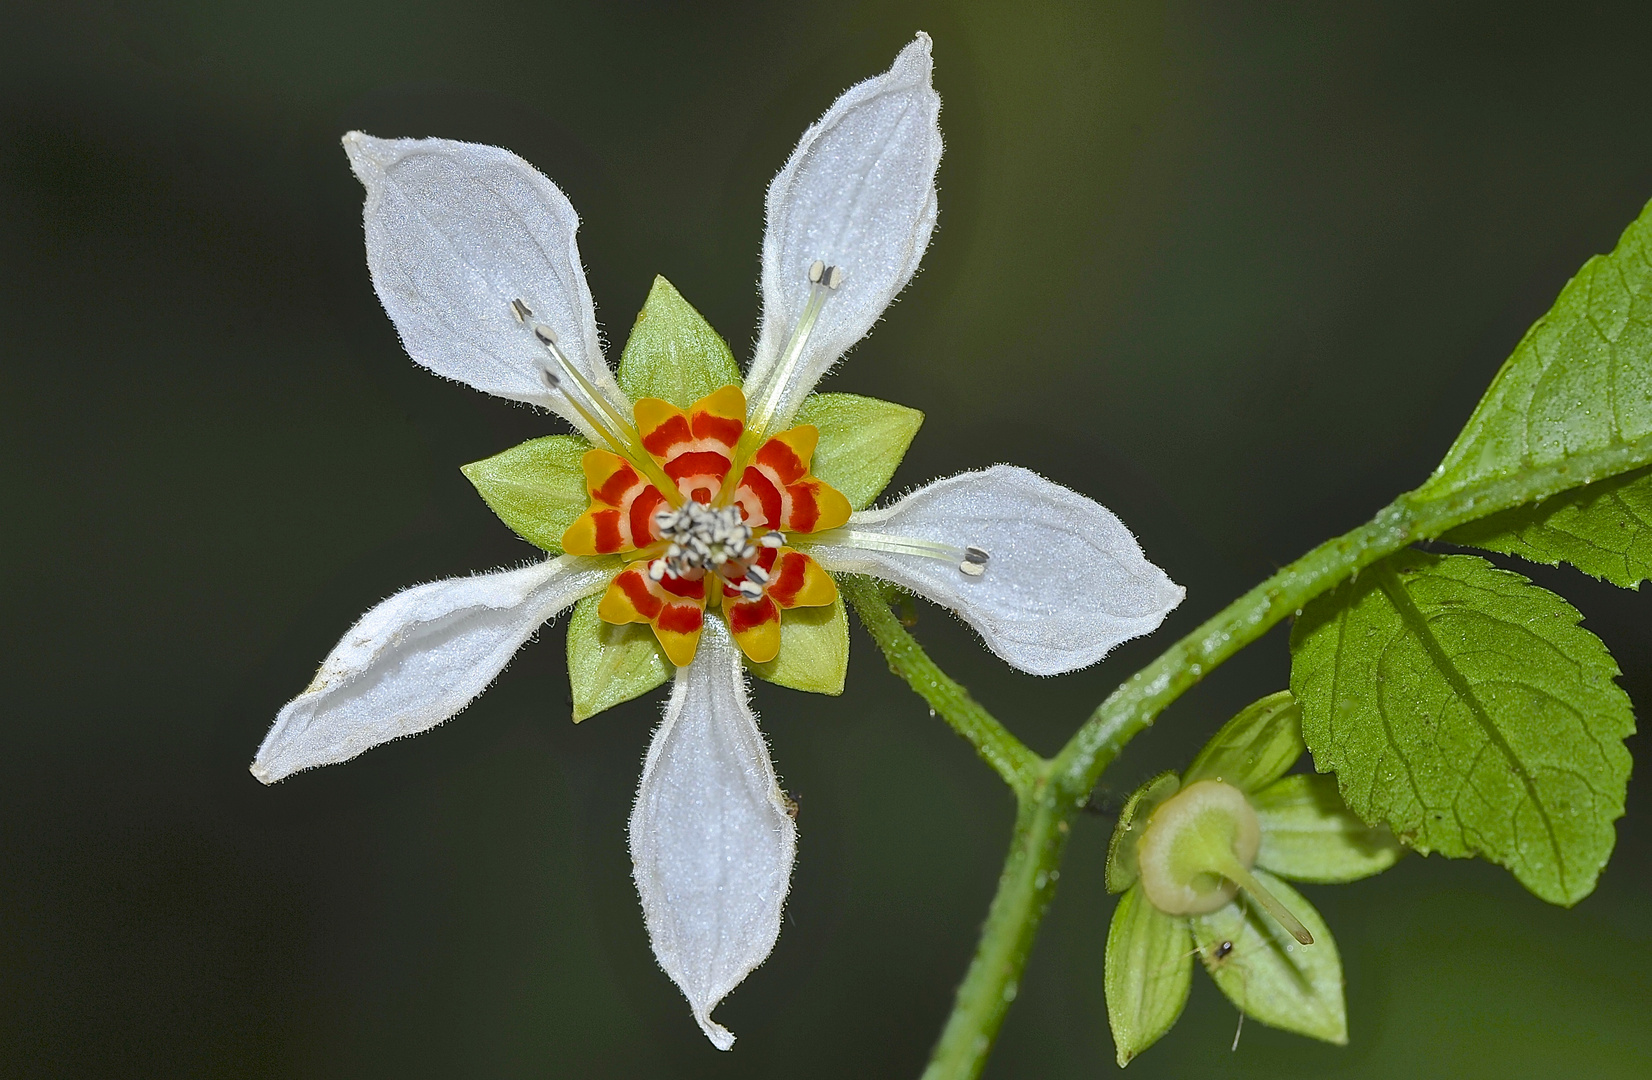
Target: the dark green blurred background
pixel 1239 271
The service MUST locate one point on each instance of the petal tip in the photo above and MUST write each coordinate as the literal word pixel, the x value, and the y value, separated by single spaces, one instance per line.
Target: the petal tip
pixel 721 1037
pixel 262 774
pixel 368 156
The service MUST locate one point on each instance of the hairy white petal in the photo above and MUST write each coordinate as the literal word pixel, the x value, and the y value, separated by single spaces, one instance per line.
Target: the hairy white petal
pixel 857 193
pixel 455 232
pixel 1065 582
pixel 711 841
pixel 418 658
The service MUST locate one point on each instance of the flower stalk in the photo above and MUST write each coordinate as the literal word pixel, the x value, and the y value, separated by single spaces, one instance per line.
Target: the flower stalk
pixel 1049 792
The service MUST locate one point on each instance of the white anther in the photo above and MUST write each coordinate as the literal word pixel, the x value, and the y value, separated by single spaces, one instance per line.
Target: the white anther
pixel 656 570
pixel 975 561
pixel 773 540
pixel 816 269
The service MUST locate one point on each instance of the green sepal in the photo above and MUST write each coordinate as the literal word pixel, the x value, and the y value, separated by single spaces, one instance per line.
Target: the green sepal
pixel 1148 972
pixel 1468 710
pixel 673 353
pixel 1308 834
pixel 1122 870
pixel 1604 529
pixel 1268 974
pixel 1255 748
pixel 862 442
pixel 814 650
pixel 608 664
pixel 537 487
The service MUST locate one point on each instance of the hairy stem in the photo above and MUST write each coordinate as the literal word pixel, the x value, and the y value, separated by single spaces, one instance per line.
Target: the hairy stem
pixel 1025 889
pixel 1049 793
pixel 1008 756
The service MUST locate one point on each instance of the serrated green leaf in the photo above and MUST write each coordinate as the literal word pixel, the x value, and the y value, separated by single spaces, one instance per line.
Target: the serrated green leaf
pixel 1266 973
pixel 1603 529
pixel 1574 402
pixel 1148 972
pixel 608 664
pixel 814 650
pixel 1122 869
pixel 1255 748
pixel 1466 708
pixel 862 441
pixel 1308 834
pixel 673 353
pixel 537 488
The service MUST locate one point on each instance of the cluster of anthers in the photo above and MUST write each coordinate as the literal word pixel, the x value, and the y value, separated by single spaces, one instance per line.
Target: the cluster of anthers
pixel 701 538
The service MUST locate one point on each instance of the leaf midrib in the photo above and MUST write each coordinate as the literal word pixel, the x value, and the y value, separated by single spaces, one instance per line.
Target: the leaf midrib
pixel 1414 620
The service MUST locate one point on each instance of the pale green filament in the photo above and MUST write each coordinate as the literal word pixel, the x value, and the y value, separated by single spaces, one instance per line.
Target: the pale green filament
pixel 1197 851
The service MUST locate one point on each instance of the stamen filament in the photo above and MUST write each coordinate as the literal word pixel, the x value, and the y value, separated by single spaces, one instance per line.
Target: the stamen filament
pixel 615 430
pixel 1235 871
pixel 971 561
pixel 823 281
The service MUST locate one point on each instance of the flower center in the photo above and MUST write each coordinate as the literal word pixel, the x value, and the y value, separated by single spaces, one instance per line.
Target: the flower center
pixel 700 538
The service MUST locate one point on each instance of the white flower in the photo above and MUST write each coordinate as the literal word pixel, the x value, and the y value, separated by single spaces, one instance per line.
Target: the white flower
pixel 472 253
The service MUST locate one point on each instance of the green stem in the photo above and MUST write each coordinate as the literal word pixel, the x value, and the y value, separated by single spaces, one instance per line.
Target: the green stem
pixel 1027 883
pixel 1008 756
pixel 1025 889
pixel 1049 793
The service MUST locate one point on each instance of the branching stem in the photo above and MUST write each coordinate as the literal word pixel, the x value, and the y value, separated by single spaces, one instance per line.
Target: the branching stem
pixel 1049 792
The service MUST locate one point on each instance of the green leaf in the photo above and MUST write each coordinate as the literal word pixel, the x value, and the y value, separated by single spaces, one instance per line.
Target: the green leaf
pixel 1148 972
pixel 814 650
pixel 1467 709
pixel 1255 748
pixel 1122 869
pixel 537 488
pixel 1267 973
pixel 673 353
pixel 608 664
pixel 1308 834
pixel 1574 402
pixel 862 441
pixel 1603 529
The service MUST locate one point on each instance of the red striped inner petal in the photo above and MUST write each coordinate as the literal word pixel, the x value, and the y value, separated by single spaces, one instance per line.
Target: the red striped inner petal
pixel 745 616
pixel 767 497
pixel 660 441
pixel 679 586
pixel 681 618
pixel 610 536
pixel 614 488
pixel 805 508
pixel 635 587
pixel 723 429
pixel 785 585
pixel 643 508
pixel 788 467
pixel 707 463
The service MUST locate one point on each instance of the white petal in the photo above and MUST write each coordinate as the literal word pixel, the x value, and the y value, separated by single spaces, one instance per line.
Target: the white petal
pixel 1065 582
pixel 418 658
pixel 711 841
pixel 857 193
pixel 455 232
